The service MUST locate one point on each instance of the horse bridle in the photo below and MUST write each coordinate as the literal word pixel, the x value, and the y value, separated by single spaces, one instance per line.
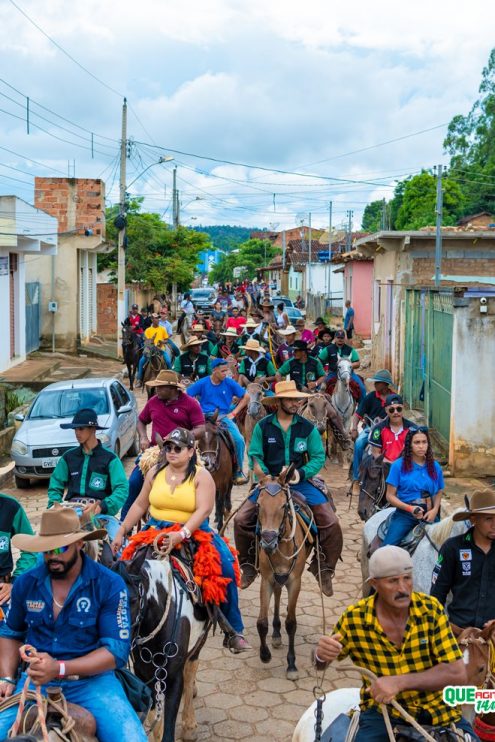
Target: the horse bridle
pixel 309 415
pixel 254 403
pixel 489 680
pixel 215 454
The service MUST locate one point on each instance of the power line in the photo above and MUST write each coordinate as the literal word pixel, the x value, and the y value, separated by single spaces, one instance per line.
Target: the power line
pixel 29 159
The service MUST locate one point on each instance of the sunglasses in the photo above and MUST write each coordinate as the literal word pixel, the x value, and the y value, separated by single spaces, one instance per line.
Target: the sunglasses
pixel 419 429
pixel 58 551
pixel 171 448
pixel 397 408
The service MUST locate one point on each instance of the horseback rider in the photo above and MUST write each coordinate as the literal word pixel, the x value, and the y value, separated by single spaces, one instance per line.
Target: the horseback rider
pixel 165 323
pixel 92 474
pixel 75 612
pixel 145 318
pixel 414 486
pixel 254 366
pixel 158 336
pixel 216 392
pixel 236 320
pixel 13 520
pixel 229 346
pixel 249 331
pixel 466 566
pixel 188 310
pixel 339 348
pixel 325 338
pixel 286 349
pixel 179 490
pixel 193 363
pixel 307 372
pixel 167 410
pixel 135 322
pixel 371 407
pixel 198 332
pixel 405 639
pixel 388 437
pixel 267 324
pixel 280 439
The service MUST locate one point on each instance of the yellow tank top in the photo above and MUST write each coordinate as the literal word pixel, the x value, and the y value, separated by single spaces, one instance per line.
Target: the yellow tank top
pixel 176 506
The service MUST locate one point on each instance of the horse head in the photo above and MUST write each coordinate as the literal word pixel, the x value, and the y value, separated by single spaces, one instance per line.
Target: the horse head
pixel 344 371
pixel 371 492
pixel 477 646
pixel 255 394
pixel 273 507
pixel 315 409
pixel 209 443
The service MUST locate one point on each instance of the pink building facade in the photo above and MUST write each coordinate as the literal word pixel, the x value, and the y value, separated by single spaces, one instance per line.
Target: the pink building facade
pixel 358 287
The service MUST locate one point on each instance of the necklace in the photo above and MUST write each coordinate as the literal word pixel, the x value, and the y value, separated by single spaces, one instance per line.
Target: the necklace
pixel 57 603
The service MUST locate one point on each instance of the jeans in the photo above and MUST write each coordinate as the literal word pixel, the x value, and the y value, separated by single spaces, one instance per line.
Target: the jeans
pixel 143 360
pixel 359 445
pixel 239 441
pixel 311 494
pixel 400 525
pixel 230 608
pixel 103 695
pixel 372 727
pixel 136 481
pixel 173 348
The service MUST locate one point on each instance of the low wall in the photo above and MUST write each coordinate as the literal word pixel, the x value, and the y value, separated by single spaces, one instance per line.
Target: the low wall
pixel 106 307
pixel 6 438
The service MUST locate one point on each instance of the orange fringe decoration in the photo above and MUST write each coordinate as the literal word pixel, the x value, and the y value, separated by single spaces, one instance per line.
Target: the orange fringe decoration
pixel 207 565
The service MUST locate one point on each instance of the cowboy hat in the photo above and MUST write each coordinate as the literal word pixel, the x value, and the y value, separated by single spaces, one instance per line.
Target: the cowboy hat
pixel 166 378
pixel 84 418
pixel 59 527
pixel 266 304
pixel 192 341
pixel 289 330
pixel 325 331
pixel 383 376
pixel 285 390
pixel 253 344
pixel 230 333
pixel 482 502
pixel 251 323
pixel 198 327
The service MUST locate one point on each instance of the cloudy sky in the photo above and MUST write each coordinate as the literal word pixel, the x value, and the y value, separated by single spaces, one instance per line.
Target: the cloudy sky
pixel 307 88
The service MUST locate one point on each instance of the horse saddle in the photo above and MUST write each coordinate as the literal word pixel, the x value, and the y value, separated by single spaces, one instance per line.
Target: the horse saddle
pixel 353 386
pixel 59 720
pixel 406 733
pixel 409 542
pixel 228 440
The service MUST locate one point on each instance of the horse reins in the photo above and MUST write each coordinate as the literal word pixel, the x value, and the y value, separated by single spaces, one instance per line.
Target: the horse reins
pixel 489 677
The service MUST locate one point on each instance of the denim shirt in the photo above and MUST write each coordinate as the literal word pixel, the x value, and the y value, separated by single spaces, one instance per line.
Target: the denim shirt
pixel 95 614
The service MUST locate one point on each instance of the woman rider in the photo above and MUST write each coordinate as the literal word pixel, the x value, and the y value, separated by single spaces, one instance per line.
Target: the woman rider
pixel 178 490
pixel 414 486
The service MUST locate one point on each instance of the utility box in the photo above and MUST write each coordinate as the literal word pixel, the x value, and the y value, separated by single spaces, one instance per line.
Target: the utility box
pixel 53 306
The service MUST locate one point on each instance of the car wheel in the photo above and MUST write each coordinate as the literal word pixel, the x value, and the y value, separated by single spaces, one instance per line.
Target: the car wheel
pixel 135 448
pixel 20 483
pixel 117 448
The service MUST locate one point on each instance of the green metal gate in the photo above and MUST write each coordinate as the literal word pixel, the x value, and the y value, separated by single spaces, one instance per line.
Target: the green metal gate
pixel 428 356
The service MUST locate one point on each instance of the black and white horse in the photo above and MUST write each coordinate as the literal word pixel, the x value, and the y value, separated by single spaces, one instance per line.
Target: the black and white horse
pixel 169 631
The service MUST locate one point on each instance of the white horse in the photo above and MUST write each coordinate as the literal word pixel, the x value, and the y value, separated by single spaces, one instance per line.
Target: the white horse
pixel 337 702
pixel 342 400
pixel 426 553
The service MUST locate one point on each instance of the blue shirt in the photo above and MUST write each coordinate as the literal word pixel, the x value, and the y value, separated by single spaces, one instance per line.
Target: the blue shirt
pixel 96 614
pixel 168 327
pixel 349 318
pixel 413 484
pixel 216 396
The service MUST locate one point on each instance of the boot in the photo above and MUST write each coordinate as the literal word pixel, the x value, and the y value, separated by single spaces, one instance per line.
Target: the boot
pixel 331 541
pixel 245 541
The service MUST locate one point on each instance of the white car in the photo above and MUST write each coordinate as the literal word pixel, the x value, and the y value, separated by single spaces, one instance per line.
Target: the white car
pixel 40 441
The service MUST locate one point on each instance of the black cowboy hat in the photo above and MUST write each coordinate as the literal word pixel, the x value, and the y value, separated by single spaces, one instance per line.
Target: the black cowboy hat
pixel 83 419
pixel 300 345
pixel 325 331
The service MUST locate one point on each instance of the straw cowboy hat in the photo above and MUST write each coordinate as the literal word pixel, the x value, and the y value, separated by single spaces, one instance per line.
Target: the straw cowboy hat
pixel 197 327
pixel 285 390
pixel 59 527
pixel 230 333
pixel 289 330
pixel 192 341
pixel 166 378
pixel 251 323
pixel 482 502
pixel 253 344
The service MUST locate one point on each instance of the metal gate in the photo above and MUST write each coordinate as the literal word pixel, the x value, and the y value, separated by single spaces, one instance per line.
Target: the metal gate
pixel 428 356
pixel 33 317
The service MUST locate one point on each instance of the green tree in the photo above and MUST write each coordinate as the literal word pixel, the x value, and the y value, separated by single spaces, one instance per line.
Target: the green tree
pixel 470 141
pixel 372 217
pixel 419 202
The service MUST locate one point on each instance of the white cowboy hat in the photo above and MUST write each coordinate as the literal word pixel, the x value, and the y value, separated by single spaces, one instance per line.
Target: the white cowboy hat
pixel 289 330
pixel 230 333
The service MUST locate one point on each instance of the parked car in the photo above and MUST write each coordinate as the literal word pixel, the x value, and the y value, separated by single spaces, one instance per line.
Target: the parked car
pixel 40 441
pixel 203 298
pixel 292 312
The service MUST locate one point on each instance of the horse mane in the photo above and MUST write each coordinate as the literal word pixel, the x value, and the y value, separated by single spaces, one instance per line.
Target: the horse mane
pixel 440 532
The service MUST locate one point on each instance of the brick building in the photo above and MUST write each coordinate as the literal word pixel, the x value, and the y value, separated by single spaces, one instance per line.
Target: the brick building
pixel 69 279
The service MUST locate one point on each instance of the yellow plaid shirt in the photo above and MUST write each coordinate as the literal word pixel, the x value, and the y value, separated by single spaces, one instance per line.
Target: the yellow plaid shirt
pixel 428 641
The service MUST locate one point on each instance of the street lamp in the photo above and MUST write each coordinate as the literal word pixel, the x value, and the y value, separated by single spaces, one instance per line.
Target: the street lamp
pixel 120 223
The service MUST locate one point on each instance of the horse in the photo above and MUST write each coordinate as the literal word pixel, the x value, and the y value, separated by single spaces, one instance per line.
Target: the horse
pixel 426 552
pixel 284 545
pixel 131 351
pixel 153 366
pixel 341 397
pixel 373 486
pixel 255 410
pixel 169 631
pixel 217 458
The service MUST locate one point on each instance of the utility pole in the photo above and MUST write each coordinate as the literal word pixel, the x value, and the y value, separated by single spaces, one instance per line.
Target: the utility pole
pixel 350 214
pixel 329 285
pixel 438 238
pixel 309 249
pixel 121 235
pixel 175 199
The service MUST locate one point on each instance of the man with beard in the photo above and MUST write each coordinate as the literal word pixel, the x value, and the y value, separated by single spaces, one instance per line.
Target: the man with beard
pixel 404 638
pixel 76 613
pixel 92 474
pixel 466 566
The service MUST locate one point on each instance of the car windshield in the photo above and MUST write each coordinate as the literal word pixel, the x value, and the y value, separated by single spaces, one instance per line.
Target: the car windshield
pixel 66 402
pixel 202 294
pixel 284 301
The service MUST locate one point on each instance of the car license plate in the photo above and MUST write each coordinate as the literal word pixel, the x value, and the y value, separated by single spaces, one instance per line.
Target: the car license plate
pixel 49 463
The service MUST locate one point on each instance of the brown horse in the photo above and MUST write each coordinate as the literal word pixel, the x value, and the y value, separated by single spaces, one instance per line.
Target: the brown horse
pixel 478 648
pixel 217 458
pixel 284 545
pixel 154 365
pixel 255 410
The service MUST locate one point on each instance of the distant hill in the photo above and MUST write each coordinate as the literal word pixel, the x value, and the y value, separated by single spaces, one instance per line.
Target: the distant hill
pixel 226 236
